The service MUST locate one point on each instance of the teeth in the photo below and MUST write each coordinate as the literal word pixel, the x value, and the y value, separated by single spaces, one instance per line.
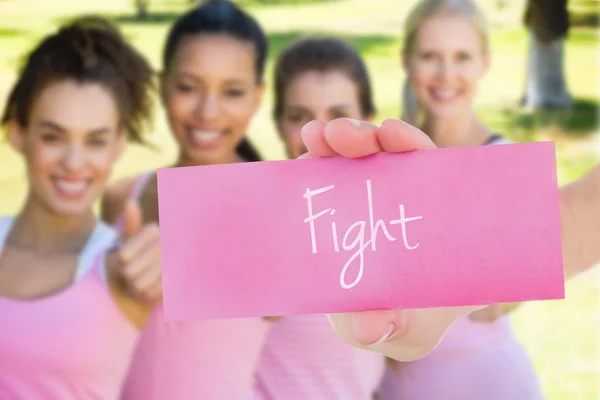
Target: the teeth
pixel 71 187
pixel 206 136
pixel 445 94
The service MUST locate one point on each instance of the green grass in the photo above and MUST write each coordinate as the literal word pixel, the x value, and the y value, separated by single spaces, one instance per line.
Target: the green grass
pixel 560 335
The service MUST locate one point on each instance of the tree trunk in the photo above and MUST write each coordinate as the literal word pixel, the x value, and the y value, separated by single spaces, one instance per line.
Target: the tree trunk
pixel 548 25
pixel 142 8
pixel 545 84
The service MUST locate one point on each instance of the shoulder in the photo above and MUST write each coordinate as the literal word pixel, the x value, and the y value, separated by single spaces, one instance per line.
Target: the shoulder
pixel 114 199
pixel 6 219
pixel 6 222
pixel 105 235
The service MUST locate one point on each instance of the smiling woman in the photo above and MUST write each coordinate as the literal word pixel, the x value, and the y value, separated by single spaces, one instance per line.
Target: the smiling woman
pixel 445 55
pixel 211 88
pixel 82 92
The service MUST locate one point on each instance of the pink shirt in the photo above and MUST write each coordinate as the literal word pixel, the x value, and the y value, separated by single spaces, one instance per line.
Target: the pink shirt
pixel 212 359
pixel 73 345
pixel 303 358
pixel 474 361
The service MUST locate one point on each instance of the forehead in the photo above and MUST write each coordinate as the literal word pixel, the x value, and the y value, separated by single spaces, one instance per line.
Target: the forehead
pixel 448 32
pixel 322 88
pixel 218 56
pixel 75 105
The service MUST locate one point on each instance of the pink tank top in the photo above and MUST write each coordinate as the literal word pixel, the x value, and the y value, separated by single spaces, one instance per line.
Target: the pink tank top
pixel 474 360
pixel 213 359
pixel 73 345
pixel 303 358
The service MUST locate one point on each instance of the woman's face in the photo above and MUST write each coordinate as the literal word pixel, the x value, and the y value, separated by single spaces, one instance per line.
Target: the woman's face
pixel 445 65
pixel 70 144
pixel 316 95
pixel 211 93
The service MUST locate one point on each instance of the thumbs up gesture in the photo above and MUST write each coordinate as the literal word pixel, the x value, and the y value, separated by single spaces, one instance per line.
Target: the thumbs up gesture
pixel 135 266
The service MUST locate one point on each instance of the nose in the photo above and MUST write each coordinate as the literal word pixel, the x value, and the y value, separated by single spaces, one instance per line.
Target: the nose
pixel 74 157
pixel 446 69
pixel 208 107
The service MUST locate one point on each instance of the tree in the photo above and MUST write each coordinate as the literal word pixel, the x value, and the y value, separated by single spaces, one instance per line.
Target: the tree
pixel 548 25
pixel 141 7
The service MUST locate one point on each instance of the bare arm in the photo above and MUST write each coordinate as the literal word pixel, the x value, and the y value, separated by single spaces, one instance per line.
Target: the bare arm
pixel 134 268
pixel 113 201
pixel 580 223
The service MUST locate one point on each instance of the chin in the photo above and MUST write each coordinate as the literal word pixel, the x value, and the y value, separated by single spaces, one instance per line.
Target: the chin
pixel 446 111
pixel 70 210
pixel 62 206
pixel 215 156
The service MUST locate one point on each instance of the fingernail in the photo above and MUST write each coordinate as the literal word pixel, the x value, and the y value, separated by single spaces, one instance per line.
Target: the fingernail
pixel 395 326
pixel 354 122
pixel 387 334
pixel 407 124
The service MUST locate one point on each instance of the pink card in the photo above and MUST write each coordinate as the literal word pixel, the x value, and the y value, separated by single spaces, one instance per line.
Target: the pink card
pixel 442 227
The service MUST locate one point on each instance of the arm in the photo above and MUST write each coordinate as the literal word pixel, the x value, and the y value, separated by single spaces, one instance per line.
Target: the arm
pixel 580 223
pixel 134 267
pixel 134 279
pixel 406 335
pixel 136 311
pixel 113 201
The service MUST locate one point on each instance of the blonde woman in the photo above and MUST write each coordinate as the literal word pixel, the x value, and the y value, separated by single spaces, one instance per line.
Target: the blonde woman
pixel 445 55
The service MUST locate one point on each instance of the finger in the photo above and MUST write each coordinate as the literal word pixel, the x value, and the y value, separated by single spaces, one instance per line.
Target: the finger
pixel 132 220
pixel 488 314
pixel 272 318
pixel 366 328
pixel 352 138
pixel 113 263
pixel 396 136
pixel 147 257
pixel 146 237
pixel 313 136
pixel 148 286
pixel 403 335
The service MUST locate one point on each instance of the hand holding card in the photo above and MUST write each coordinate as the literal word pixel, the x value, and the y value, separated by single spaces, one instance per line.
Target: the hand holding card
pixel 453 228
pixel 403 335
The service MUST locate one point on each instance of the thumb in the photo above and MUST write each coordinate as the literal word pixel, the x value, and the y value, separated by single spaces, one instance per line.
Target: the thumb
pixel 403 335
pixel 132 220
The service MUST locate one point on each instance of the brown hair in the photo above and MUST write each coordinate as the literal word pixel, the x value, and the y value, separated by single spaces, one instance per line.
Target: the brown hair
pixel 322 54
pixel 90 49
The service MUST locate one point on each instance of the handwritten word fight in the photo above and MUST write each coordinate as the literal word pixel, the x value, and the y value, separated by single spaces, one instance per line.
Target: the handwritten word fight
pixel 434 228
pixel 358 228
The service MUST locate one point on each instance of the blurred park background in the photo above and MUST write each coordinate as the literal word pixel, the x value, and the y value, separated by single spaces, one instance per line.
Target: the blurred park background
pixel 562 336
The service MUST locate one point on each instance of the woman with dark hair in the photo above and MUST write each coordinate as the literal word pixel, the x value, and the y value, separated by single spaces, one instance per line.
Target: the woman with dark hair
pixel 211 86
pixel 316 78
pixel 68 328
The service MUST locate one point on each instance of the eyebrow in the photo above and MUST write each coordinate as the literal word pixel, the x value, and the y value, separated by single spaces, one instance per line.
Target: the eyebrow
pixel 57 127
pixel 184 74
pixel 334 107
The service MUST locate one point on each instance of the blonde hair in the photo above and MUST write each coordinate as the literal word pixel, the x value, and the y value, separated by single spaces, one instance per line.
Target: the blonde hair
pixel 426 9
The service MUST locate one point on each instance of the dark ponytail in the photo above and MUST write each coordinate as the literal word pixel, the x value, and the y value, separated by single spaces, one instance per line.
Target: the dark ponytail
pixel 247 151
pixel 88 50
